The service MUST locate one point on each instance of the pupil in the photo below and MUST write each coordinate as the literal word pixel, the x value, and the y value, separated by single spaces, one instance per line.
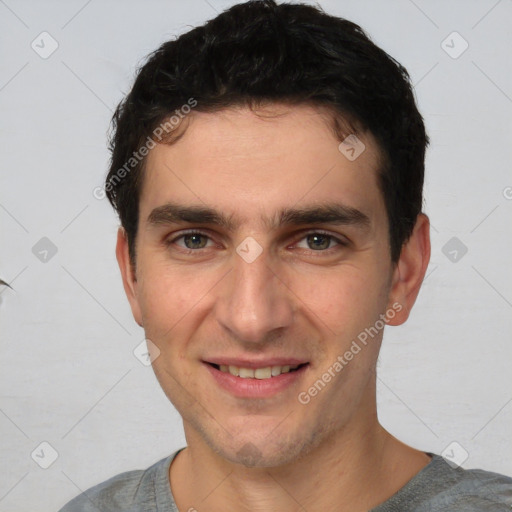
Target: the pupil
pixel 195 241
pixel 322 239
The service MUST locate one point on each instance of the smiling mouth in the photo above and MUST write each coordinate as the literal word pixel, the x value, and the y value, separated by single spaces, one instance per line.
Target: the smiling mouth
pixel 266 372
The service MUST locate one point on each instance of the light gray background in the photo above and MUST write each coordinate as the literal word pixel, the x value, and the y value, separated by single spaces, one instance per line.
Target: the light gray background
pixel 68 373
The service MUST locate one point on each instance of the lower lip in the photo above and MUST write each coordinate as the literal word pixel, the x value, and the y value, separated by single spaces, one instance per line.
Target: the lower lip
pixel 255 388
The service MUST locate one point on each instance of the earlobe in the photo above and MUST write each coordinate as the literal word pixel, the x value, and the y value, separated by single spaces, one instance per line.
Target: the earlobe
pixel 410 270
pixel 128 274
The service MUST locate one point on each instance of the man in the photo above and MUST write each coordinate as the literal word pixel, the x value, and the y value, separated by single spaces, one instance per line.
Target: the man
pixel 267 169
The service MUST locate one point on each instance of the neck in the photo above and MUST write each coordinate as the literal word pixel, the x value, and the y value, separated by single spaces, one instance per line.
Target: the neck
pixel 355 469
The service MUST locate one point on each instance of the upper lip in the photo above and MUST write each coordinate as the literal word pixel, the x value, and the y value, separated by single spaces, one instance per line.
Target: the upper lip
pixel 255 363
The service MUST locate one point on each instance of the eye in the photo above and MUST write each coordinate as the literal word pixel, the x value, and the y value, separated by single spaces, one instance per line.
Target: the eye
pixel 319 242
pixel 192 240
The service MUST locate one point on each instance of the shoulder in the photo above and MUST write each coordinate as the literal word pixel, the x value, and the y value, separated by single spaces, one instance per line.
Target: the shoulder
pixel 477 490
pixel 439 487
pixel 130 491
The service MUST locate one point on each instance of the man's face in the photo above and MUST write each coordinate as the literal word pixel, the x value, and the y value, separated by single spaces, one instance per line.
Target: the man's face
pixel 208 298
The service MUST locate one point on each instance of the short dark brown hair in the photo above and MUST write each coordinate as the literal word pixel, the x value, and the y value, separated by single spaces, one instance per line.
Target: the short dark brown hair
pixel 260 52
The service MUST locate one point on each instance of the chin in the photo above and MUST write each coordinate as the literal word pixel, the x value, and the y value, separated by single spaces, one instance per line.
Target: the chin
pixel 267 451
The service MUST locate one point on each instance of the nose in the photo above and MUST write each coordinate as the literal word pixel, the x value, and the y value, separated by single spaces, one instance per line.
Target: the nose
pixel 254 303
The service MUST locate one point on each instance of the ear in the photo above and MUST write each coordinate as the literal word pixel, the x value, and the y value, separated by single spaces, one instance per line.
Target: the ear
pixel 410 270
pixel 128 274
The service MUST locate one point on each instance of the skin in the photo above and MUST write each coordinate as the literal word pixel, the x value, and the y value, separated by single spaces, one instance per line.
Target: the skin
pixel 293 300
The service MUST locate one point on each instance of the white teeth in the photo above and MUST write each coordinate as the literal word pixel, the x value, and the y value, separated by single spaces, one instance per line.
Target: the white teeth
pixel 263 373
pixel 276 370
pixel 259 373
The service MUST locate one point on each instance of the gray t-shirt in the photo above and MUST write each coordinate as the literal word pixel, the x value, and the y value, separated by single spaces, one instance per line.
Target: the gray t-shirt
pixel 437 487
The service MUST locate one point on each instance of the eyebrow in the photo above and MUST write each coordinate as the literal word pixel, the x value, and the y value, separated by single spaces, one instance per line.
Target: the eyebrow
pixel 330 213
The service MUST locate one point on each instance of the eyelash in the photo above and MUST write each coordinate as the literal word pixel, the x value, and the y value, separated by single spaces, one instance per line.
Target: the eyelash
pixel 340 242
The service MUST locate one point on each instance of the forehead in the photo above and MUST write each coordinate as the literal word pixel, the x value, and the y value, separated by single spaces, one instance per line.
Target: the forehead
pixel 247 163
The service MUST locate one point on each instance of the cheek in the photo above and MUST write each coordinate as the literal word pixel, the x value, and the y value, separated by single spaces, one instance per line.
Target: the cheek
pixel 343 300
pixel 175 301
pixel 168 298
